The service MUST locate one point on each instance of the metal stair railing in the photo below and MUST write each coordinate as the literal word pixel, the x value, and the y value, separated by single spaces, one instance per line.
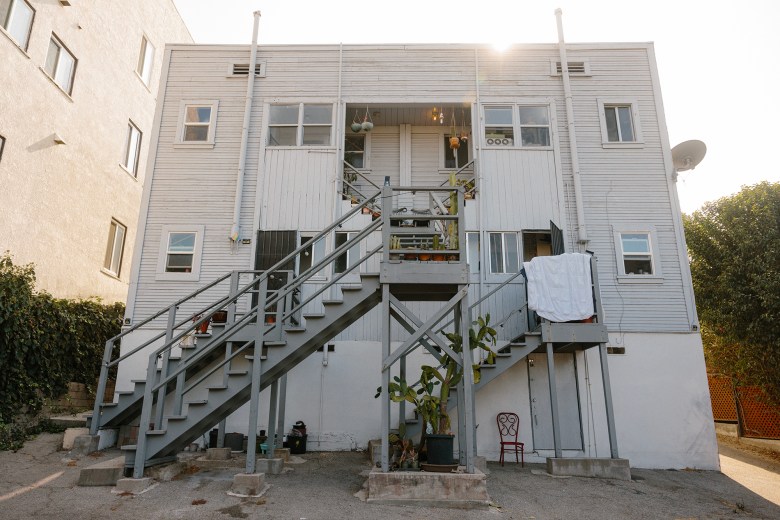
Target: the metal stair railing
pixel 263 304
pixel 353 192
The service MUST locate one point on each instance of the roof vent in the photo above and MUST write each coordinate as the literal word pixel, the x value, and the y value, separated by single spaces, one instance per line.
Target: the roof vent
pixel 576 68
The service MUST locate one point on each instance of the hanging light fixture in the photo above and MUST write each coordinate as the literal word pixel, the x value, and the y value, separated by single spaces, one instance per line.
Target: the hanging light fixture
pixel 435 114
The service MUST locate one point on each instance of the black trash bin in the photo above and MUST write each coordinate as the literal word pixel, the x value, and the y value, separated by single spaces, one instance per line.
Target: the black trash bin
pixel 297 443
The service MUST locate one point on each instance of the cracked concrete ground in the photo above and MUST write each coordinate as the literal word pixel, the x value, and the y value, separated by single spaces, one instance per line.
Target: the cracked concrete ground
pixel 324 487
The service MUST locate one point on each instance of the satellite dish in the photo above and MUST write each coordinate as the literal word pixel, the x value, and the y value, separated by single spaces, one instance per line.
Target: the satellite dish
pixel 686 156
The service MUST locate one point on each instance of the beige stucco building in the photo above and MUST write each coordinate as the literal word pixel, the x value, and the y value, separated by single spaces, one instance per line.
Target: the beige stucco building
pixel 77 102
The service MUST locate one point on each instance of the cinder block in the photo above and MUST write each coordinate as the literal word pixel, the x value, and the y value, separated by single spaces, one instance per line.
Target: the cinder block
pixel 70 435
pixel 249 484
pixel 455 490
pixel 108 438
pixel 590 467
pixel 270 466
pixel 218 454
pixel 135 486
pixel 85 444
pixel 282 453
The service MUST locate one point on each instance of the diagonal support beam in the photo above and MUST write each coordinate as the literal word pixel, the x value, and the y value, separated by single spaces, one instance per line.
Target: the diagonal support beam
pixel 404 322
pixel 425 329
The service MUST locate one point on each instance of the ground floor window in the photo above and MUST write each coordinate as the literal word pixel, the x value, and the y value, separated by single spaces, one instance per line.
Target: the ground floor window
pixel 504 258
pixel 180 252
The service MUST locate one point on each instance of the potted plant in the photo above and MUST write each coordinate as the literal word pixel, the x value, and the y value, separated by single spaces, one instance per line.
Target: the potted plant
pixel 438 245
pixel 395 244
pixel 424 256
pixel 430 404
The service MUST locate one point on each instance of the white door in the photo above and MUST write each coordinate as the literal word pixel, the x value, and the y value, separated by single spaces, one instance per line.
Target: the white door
pixel 568 402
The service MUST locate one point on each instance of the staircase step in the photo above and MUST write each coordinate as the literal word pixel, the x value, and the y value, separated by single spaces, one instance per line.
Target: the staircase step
pixel 138 381
pixel 108 405
pixel 295 330
pixel 274 343
pixel 218 387
pixel 332 302
pixel 156 432
pixel 198 403
pixel 313 316
pixel 351 287
pixel 251 357
pixel 124 392
pixel 503 354
pixel 204 336
pixel 175 417
pixel 238 372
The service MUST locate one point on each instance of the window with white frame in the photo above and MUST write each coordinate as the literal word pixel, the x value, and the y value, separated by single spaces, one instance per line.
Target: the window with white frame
pixel 60 64
pixel 636 251
pixel 300 125
pixel 503 123
pixel 114 248
pixel 145 61
pixel 197 123
pixel 503 251
pixel 472 252
pixel 348 258
pixel 458 157
pixel 619 121
pixel 312 254
pixel 17 19
pixel 180 253
pixel 132 149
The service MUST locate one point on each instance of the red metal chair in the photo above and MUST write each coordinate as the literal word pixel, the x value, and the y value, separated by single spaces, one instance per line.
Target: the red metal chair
pixel 508 426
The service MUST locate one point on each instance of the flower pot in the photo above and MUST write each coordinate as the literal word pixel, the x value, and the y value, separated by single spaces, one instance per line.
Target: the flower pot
pixel 440 448
pixel 203 328
pixel 219 317
pixel 410 256
pixel 356 127
pixel 454 143
pixel 367 126
pixel 439 257
pixel 424 257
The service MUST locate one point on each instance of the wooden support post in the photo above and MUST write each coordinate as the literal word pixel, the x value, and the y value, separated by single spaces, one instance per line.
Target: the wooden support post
pixel 556 424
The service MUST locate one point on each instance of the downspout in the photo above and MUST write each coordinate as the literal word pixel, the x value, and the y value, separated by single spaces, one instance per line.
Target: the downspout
pixel 582 234
pixel 477 140
pixel 235 229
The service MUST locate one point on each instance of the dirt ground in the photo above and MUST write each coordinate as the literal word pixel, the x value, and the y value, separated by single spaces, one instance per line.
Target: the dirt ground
pixel 40 482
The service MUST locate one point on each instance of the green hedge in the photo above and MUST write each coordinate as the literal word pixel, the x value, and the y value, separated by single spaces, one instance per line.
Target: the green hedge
pixel 46 342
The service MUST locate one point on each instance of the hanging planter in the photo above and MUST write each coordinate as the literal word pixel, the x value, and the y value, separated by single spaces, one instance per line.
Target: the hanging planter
pixel 367 124
pixel 356 125
pixel 454 142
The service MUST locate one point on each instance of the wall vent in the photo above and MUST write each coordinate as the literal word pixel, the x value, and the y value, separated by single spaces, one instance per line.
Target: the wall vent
pixel 242 69
pixel 576 68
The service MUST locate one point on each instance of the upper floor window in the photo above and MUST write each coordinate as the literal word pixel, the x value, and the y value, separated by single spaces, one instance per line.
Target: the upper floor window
pixel 503 123
pixel 145 60
pixel 197 123
pixel 180 253
pixel 300 125
pixel 132 149
pixel 115 248
pixel 17 18
pixel 503 251
pixel 355 150
pixel 458 157
pixel 637 253
pixel 619 121
pixel 60 64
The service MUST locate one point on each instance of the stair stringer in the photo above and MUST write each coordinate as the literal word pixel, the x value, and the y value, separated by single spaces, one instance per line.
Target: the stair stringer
pixel 280 360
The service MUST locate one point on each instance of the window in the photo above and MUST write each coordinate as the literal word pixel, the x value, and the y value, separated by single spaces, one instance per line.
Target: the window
pixel 536 243
pixel 300 125
pixel 350 257
pixel 2 146
pixel 145 61
pixel 499 128
pixel 17 18
pixel 636 251
pixel 115 248
pixel 197 123
pixel 504 123
pixel 60 65
pixel 355 150
pixel 503 253
pixel 472 252
pixel 534 126
pixel 637 256
pixel 180 253
pixel 312 255
pixel 619 123
pixel 132 149
pixel 455 158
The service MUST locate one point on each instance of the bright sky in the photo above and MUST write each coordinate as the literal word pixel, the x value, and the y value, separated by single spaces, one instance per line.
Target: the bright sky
pixel 719 60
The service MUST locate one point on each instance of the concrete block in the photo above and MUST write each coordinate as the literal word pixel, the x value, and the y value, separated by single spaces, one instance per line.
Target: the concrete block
pixel 251 485
pixel 85 444
pixel 136 486
pixel 167 472
pixel 218 454
pixel 454 490
pixel 108 438
pixel 589 467
pixel 104 473
pixel 270 466
pixel 282 453
pixel 481 464
pixel 375 451
pixel 726 429
pixel 70 435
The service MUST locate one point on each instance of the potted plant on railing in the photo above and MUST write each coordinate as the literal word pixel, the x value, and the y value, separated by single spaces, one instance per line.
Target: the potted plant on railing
pixel 438 245
pixel 395 245
pixel 430 405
